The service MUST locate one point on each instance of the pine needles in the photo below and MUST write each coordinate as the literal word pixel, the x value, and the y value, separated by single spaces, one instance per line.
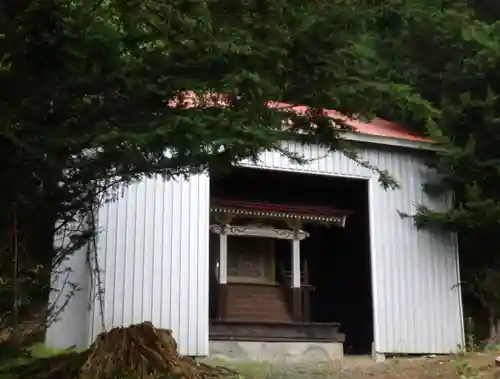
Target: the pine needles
pixel 139 351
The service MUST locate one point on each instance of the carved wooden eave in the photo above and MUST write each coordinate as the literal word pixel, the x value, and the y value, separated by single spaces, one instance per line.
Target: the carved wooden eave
pixel 258 231
pixel 226 210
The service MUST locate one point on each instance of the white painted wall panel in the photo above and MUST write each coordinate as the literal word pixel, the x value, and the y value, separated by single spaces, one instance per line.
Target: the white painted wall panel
pixel 70 284
pixel 153 250
pixel 417 305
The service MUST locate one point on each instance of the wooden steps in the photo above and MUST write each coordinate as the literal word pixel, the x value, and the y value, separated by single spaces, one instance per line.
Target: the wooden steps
pixel 274 332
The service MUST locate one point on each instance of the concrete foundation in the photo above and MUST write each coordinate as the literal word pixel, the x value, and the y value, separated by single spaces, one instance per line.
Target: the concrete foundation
pixel 276 352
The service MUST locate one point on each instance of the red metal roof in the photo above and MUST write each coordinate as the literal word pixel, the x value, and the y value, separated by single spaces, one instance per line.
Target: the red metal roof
pixel 376 127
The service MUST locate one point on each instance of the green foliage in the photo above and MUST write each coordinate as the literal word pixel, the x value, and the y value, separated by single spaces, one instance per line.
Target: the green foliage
pixel 36 351
pixel 449 52
pixel 464 369
pixel 96 93
pixel 85 92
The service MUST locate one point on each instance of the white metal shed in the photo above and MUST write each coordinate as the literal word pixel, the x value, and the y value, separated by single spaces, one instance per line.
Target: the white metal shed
pixel 153 249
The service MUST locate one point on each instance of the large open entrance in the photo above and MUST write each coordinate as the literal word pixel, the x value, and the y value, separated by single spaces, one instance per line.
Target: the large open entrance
pixel 338 259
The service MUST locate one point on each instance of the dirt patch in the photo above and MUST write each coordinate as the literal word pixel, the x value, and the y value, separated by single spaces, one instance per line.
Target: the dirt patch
pixel 472 366
pixel 142 351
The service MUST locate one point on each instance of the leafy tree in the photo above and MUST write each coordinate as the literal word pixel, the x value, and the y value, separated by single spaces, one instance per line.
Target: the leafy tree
pixel 450 54
pixel 86 84
pixel 93 93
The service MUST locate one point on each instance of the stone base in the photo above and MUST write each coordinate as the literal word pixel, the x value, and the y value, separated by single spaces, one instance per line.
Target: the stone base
pixel 259 331
pixel 276 352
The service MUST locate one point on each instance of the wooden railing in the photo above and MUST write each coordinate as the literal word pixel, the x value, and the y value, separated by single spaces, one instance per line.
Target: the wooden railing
pixel 306 295
pixel 213 291
pixel 305 292
pixel 286 289
pixel 218 295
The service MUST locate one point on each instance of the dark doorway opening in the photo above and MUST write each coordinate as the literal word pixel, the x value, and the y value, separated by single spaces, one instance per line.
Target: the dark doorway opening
pixel 338 258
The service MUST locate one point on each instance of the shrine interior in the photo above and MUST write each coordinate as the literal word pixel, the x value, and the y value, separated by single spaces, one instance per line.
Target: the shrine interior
pixel 338 258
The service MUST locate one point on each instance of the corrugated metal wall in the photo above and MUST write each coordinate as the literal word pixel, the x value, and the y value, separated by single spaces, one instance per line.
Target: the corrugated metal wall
pixel 153 250
pixel 71 284
pixel 417 304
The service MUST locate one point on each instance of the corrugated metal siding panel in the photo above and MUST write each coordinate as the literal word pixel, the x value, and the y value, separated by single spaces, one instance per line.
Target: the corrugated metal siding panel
pixel 153 250
pixel 416 272
pixel 74 271
pixel 320 161
pixel 417 305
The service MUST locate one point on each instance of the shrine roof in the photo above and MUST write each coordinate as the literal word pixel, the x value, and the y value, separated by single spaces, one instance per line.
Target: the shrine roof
pixel 376 130
pixel 281 211
pixel 376 127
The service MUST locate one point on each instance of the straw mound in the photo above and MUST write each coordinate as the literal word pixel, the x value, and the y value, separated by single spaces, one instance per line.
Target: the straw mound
pixel 138 351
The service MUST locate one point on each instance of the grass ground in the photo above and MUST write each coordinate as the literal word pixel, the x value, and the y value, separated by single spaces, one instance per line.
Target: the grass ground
pixel 472 366
pixel 36 351
pixel 468 366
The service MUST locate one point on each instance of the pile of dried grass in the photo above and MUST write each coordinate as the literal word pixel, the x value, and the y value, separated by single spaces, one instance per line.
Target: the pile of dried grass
pixel 138 351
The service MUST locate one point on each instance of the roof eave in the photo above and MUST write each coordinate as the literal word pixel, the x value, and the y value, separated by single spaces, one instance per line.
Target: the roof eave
pixel 339 220
pixel 391 141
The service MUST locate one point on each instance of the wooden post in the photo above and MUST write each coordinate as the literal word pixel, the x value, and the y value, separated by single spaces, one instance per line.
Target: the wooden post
pixel 223 256
pixel 296 291
pixel 295 263
pixel 222 273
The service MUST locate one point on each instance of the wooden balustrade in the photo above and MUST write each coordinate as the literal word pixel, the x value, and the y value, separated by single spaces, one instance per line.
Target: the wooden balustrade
pixel 217 297
pixel 302 298
pixel 286 288
pixel 213 295
pixel 306 295
pixel 297 300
